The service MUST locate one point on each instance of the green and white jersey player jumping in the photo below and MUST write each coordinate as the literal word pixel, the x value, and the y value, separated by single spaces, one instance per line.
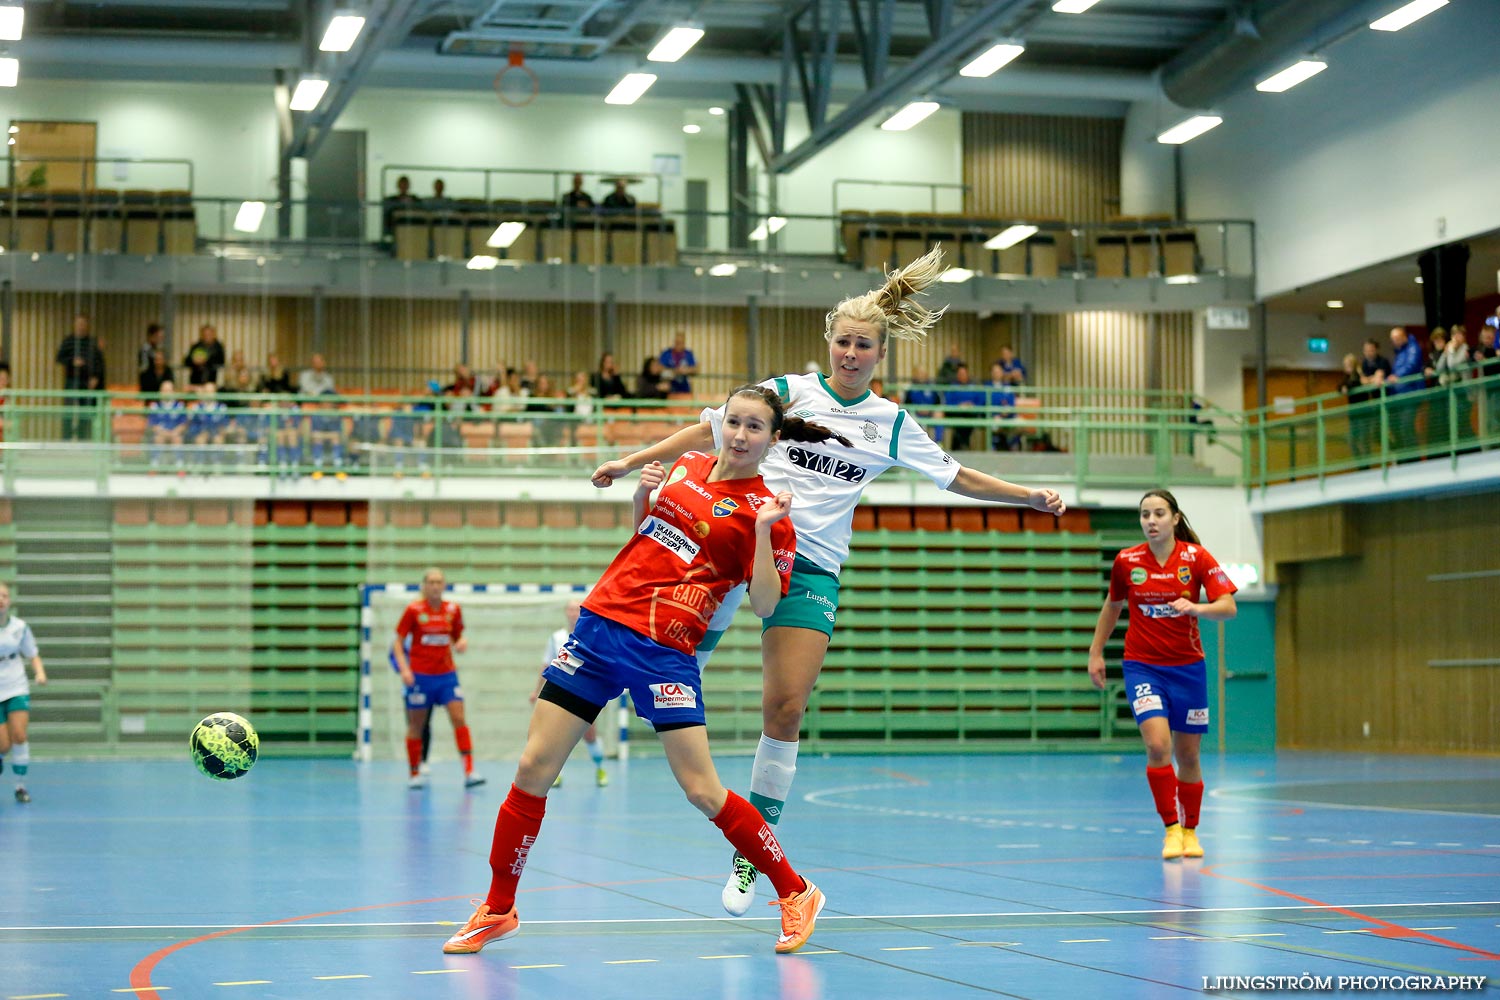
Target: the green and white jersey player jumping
pixel 826 484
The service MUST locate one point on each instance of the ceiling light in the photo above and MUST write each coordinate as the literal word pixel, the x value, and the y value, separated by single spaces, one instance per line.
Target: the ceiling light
pixel 716 111
pixel 10 72
pixel 675 43
pixel 341 32
pixel 692 129
pixel 483 262
pixel 1181 279
pixel 1335 303
pixel 630 88
pixel 723 270
pixel 1009 237
pixel 1402 16
pixel 310 90
pixel 14 129
pixel 1418 279
pixel 12 20
pixel 955 275
pixel 993 58
pixel 910 115
pixel 1073 6
pixel 1302 69
pixel 248 218
pixel 1188 130
pixel 505 234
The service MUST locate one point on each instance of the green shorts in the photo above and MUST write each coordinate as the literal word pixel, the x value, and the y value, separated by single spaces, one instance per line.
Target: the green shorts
pixel 20 703
pixel 812 600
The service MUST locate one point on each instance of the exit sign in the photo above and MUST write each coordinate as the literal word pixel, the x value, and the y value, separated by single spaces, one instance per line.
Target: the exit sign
pixel 1317 345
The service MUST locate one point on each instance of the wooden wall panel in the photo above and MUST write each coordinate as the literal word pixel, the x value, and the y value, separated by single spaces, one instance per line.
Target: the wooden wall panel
pixel 1042 166
pixel 1355 636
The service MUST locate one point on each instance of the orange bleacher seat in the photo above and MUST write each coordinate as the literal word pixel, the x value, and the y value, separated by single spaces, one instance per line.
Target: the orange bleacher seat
pixel 482 515
pixel 1076 521
pixel 359 514
pixel 864 518
pixel 604 516
pixel 126 512
pixel 262 515
pixel 969 520
pixel 172 512
pixel 1039 521
pixel 479 435
pixel 211 512
pixel 406 515
pixel 893 518
pixel 445 515
pixel 515 435
pixel 523 515
pixel 930 518
pixel 289 513
pixel 1002 518
pixel 330 513
pixel 560 515
pixel 128 428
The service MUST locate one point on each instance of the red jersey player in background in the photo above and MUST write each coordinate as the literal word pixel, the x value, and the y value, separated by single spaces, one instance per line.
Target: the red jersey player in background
pixel 436 628
pixel 714 525
pixel 1166 679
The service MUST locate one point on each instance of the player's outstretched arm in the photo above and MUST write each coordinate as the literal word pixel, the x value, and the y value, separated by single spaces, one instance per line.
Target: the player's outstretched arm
pixel 698 437
pixel 973 483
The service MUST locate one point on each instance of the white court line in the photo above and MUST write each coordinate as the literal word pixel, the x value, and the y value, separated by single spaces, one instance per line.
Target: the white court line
pixel 1215 793
pixel 746 920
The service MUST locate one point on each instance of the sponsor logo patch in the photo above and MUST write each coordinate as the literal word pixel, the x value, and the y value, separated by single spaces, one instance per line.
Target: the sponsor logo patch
pixel 725 507
pixel 1150 703
pixel 1138 575
pixel 567 660
pixel 804 414
pixel 435 640
pixel 673 695
pixel 830 616
pixel 669 538
pixel 678 475
pixel 1159 611
pixel 1184 575
pixel 768 840
pixel 1197 717
pixel 422 618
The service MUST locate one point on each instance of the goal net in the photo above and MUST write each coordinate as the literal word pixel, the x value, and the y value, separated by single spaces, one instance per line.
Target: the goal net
pixel 509 628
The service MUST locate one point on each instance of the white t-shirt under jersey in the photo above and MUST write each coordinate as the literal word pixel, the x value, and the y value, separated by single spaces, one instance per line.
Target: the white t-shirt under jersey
pixel 17 647
pixel 826 479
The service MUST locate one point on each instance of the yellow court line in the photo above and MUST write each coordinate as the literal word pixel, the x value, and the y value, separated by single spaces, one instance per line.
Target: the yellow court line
pixel 914 947
pixel 1083 941
pixel 246 982
pixel 632 961
pixel 357 976
pixel 536 966
pixel 723 956
pixel 437 972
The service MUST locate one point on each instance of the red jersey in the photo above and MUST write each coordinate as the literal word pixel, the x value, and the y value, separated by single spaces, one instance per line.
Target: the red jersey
pixel 696 543
pixel 433 632
pixel 1157 634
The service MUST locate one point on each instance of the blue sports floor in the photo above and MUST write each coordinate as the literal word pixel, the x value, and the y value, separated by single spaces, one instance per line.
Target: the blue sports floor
pixel 946 876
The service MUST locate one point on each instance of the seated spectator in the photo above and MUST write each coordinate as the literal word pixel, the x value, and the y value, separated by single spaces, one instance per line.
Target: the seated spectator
pixel 548 402
pixel 274 378
pixel 463 378
pixel 156 339
pixel 678 362
pixel 156 373
pixel 166 426
pixel 949 367
pixel 326 433
pixel 1012 371
pixel 1002 397
pixel 652 383
pixel 619 200
pixel 923 400
pixel 204 359
pixel 606 381
pixel 315 380
pixel 577 199
pixel 246 425
pixel 963 396
pixel 530 376
pixel 581 393
pixel 406 433
pixel 236 372
pixel 511 395
pixel 208 420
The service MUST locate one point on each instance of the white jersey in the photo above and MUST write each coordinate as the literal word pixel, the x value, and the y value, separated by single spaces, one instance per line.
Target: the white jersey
pixel 826 479
pixel 17 647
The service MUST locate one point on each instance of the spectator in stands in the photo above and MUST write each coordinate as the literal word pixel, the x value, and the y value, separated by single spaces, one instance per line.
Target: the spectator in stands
pixel 246 426
pixel 204 359
pixel 406 432
pixel 326 433
pixel 923 400
pixel 547 403
pixel 1364 425
pixel 619 200
pixel 4 391
pixel 577 199
pixel 154 374
pixel 463 378
pixel 652 382
pixel 439 197
pixel 1002 398
pixel 962 401
pixel 315 380
pixel 1406 379
pixel 949 368
pixel 1437 413
pixel 236 372
pixel 274 378
pixel 1352 389
pixel 1486 360
pixel 403 198
pixel 156 338
pixel 1449 412
pixel 1012 371
pixel 581 393
pixel 166 426
pixel 208 421
pixel 678 361
pixel 530 376
pixel 81 356
pixel 511 395
pixel 606 381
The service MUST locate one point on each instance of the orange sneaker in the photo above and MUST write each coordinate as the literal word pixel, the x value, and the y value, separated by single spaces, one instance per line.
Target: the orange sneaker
pixel 798 914
pixel 482 928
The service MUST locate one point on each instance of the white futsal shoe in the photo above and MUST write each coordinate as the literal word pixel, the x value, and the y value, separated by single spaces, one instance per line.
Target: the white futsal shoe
pixel 739 890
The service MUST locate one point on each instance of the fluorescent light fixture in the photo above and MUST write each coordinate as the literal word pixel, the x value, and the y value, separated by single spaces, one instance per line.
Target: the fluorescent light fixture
pixel 630 88
pixel 248 218
pixel 716 111
pixel 12 21
pixel 1418 279
pixel 992 59
pixel 310 90
pixel 483 262
pixel 505 234
pixel 14 129
pixel 341 32
pixel 1302 69
pixel 1402 16
pixel 1335 303
pixel 955 275
pixel 10 72
pixel 691 129
pixel 1072 6
pixel 1181 279
pixel 675 43
pixel 1009 237
pixel 910 115
pixel 1190 129
pixel 723 270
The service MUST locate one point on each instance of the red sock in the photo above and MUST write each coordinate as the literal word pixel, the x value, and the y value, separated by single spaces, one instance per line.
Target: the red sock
pixel 516 830
pixel 414 754
pixel 1192 801
pixel 1164 790
pixel 465 747
pixel 745 828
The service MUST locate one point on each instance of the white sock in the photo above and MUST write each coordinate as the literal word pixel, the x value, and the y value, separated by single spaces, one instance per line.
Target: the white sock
pixel 771 776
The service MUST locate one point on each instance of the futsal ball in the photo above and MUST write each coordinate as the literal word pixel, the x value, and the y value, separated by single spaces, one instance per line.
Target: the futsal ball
pixel 224 746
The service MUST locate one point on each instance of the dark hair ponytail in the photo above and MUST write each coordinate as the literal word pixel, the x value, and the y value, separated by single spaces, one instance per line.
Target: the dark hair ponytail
pixel 790 428
pixel 1182 531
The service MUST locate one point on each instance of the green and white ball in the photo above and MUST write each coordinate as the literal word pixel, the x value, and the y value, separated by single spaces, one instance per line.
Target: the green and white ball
pixel 224 746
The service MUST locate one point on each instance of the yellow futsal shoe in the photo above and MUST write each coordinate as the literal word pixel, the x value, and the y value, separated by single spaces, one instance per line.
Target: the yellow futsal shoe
pixel 482 928
pixel 601 776
pixel 799 912
pixel 1171 845
pixel 1190 846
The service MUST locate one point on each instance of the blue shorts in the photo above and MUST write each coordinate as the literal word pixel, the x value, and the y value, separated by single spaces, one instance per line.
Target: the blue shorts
pixel 1178 694
pixel 602 658
pixel 433 690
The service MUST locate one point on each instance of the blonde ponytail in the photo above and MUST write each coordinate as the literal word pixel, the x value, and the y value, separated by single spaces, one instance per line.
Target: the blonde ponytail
pixel 893 307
